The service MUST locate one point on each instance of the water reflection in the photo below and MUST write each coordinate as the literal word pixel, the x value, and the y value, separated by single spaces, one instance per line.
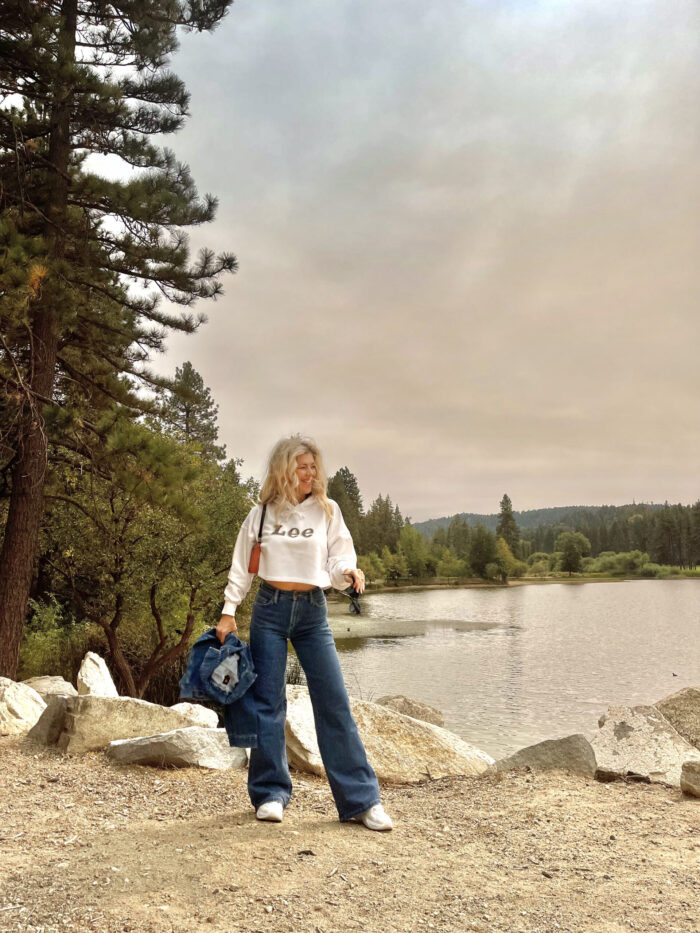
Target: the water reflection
pixel 552 659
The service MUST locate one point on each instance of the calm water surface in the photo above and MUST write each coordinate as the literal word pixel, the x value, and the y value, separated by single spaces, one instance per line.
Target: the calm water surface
pixel 554 659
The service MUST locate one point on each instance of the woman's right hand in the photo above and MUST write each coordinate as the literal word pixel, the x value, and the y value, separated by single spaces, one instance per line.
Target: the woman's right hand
pixel 226 624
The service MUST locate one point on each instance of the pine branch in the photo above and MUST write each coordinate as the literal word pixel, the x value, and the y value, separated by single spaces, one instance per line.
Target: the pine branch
pixel 80 508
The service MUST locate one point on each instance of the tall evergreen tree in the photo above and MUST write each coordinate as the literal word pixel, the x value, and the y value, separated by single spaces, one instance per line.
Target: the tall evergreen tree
pixel 344 488
pixel 695 534
pixel 381 526
pixel 665 549
pixel 82 77
pixel 190 412
pixel 507 527
pixel 459 537
pixel 483 550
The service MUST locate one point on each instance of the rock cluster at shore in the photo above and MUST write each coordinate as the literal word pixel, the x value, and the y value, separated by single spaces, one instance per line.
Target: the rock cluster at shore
pixel 635 743
pixel 659 743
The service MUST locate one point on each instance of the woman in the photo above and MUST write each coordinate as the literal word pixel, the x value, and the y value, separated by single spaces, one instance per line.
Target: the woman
pixel 305 549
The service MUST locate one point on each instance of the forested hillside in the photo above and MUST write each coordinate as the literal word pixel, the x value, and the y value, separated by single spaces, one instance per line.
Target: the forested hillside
pixel 534 518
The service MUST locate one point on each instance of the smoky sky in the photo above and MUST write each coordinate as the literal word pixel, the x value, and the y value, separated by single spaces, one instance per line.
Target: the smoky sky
pixel 468 236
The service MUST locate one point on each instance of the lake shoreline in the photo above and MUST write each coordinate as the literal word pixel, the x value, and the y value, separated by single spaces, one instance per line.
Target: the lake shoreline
pixel 349 627
pixel 489 584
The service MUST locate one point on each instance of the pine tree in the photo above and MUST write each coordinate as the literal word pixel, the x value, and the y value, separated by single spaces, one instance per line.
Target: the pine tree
pixel 381 526
pixel 570 554
pixel 82 77
pixel 459 537
pixel 507 527
pixel 695 534
pixel 483 550
pixel 665 542
pixel 344 489
pixel 190 412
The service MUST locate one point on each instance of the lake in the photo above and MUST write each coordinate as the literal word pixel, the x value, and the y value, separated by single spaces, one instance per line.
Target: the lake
pixel 512 666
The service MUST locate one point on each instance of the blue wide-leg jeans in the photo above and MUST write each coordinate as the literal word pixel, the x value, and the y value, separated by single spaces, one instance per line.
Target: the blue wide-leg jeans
pixel 300 616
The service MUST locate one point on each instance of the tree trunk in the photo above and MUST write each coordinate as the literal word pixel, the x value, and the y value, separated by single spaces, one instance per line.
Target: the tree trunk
pixel 121 665
pixel 26 505
pixel 27 499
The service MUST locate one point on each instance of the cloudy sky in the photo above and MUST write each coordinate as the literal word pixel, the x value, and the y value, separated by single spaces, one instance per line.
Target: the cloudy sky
pixel 469 243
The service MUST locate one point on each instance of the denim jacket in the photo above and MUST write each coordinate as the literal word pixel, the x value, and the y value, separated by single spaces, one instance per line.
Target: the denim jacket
pixel 224 673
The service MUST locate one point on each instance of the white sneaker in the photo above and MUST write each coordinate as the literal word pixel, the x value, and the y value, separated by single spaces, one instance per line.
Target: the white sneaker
pixel 272 810
pixel 376 818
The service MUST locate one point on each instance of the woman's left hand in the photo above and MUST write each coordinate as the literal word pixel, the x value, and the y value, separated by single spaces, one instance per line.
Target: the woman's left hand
pixel 357 579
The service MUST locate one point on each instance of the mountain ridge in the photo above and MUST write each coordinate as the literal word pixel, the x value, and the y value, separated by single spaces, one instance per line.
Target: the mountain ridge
pixel 529 519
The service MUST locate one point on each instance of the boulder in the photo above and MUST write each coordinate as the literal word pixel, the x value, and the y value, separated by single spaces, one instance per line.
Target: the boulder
pixel 682 710
pixel 640 742
pixel 93 722
pixel 48 686
pixel 94 678
pixel 198 715
pixel 400 749
pixel 413 708
pixel 20 707
pixel 573 753
pixel 690 778
pixel 194 746
pixel 51 722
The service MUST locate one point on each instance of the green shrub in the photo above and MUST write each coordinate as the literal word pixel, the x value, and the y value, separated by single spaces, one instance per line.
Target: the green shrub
pixel 53 642
pixel 451 566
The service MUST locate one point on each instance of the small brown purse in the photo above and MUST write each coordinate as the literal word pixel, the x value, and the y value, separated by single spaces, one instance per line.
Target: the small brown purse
pixel 254 562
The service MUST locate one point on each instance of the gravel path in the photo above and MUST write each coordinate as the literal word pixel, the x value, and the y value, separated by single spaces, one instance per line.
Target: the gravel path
pixel 86 844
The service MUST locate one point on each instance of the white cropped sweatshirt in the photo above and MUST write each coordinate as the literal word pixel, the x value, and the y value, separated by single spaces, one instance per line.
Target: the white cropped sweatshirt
pixel 300 546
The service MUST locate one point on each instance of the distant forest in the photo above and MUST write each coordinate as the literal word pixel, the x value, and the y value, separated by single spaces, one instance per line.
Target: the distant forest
pixel 670 534
pixel 647 539
pixel 532 519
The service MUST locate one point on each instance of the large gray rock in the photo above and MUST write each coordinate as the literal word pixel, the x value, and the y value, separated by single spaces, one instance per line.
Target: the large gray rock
pixel 93 722
pixel 413 708
pixel 690 778
pixel 51 723
pixel 682 710
pixel 94 678
pixel 195 746
pixel 198 715
pixel 20 707
pixel 573 753
pixel 400 749
pixel 49 686
pixel 639 741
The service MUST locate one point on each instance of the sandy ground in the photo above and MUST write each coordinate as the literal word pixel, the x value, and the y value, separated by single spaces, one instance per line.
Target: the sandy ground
pixel 90 845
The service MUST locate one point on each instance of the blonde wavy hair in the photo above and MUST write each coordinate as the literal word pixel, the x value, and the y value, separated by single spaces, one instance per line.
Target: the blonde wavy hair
pixel 280 485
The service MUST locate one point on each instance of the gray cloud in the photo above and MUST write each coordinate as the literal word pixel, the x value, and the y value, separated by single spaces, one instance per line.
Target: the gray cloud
pixel 468 236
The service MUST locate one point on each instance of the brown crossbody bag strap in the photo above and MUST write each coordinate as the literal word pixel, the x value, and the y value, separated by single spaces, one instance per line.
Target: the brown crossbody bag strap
pixel 254 562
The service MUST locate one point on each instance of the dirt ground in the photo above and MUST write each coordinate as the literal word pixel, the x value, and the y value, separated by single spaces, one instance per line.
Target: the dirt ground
pixel 90 845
